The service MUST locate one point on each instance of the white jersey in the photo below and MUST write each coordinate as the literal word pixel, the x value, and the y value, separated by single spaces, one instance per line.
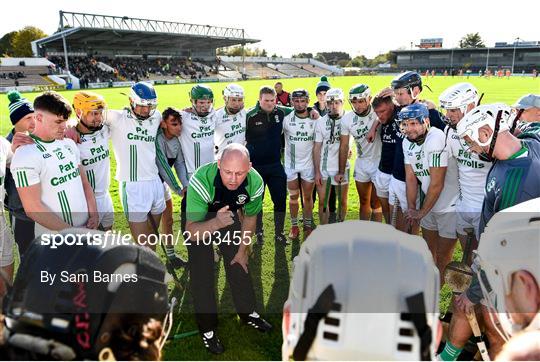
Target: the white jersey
pixel 197 140
pixel 472 172
pixel 299 136
pixel 230 128
pixel 134 145
pixel 358 127
pixel 95 159
pixel 5 158
pixel 55 166
pixel 433 153
pixel 328 131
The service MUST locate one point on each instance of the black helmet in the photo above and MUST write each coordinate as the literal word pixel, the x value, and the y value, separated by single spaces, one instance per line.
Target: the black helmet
pixel 299 93
pixel 97 290
pixel 407 80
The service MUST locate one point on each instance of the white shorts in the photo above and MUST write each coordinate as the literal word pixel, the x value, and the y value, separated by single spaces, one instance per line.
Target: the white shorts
pixel 307 174
pixel 141 197
pixel 382 183
pixel 397 193
pixel 365 169
pixel 442 222
pixel 326 174
pixel 397 190
pixel 467 219
pixel 166 192
pixel 105 210
pixel 6 244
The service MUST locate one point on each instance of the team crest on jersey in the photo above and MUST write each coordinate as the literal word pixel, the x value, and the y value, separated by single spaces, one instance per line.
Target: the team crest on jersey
pixel 241 199
pixel 276 118
pixel 491 184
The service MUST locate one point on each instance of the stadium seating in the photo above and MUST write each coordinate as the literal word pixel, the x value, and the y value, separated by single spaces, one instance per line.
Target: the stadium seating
pixel 291 69
pixel 24 75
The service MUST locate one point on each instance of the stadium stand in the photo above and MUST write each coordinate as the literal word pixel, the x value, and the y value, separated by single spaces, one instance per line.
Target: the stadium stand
pixel 16 72
pixel 291 70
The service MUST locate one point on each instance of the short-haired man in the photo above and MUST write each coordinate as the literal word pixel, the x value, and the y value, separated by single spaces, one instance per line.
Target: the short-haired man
pixel 391 138
pixel 223 201
pixel 357 124
pixel 282 97
pixel 171 156
pixel 428 165
pixel 51 182
pixel 326 156
pixel 264 128
pixel 299 131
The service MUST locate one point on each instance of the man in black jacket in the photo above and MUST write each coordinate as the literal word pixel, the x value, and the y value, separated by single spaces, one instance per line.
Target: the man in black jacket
pixel 264 127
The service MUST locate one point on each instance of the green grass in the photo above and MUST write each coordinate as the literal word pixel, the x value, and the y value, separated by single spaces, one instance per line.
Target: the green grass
pixel 270 267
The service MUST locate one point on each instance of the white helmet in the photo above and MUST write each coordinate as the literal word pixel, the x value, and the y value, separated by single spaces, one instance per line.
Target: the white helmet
pixel 459 96
pixel 334 94
pixel 233 90
pixel 368 268
pixel 510 243
pixel 482 116
pixel 359 91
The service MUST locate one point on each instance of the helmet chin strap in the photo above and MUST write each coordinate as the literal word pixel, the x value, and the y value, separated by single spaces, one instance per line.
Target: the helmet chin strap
pixel 489 155
pixel 420 140
pixel 515 121
pixel 365 113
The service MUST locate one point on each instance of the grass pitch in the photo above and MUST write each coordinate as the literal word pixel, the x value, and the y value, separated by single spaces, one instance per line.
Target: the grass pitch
pixel 270 267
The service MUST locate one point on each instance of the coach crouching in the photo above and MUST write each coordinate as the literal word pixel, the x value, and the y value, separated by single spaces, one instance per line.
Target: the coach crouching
pixel 223 201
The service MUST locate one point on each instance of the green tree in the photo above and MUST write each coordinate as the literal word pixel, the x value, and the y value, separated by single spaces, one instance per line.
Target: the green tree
pixel 303 55
pixel 472 40
pixel 23 38
pixel 359 61
pixel 6 44
pixel 332 58
pixel 236 51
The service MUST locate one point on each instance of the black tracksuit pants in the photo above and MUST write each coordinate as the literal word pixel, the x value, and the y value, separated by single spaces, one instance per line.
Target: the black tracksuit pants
pixel 275 179
pixel 202 282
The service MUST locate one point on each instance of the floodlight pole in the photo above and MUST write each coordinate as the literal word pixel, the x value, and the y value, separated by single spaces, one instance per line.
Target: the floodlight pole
pixel 243 53
pixel 514 55
pixel 487 59
pixel 65 46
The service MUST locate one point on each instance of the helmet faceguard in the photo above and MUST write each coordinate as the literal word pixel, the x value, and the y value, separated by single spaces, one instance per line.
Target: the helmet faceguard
pixel 509 244
pixel 143 94
pixel 459 96
pixel 85 103
pixel 407 80
pixel 300 94
pixel 418 112
pixel 201 92
pixel 495 116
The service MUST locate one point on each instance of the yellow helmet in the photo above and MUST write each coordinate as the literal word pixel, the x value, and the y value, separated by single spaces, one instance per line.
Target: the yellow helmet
pixel 88 101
